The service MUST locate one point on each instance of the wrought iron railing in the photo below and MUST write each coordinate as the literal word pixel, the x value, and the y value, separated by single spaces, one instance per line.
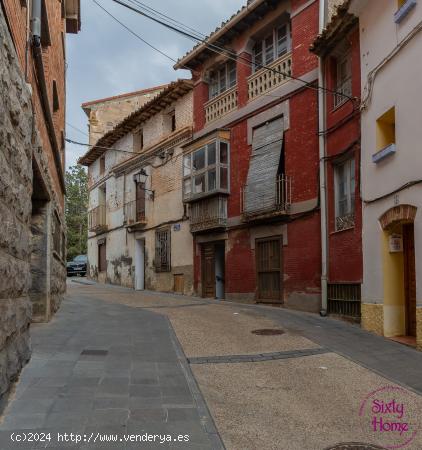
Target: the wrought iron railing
pixel 255 200
pixel 134 213
pixel 97 218
pixel 208 213
pixel 266 79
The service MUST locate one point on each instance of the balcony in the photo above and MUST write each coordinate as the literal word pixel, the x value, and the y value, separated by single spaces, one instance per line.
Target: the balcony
pixel 134 215
pixel 97 219
pixel 221 105
pixel 208 214
pixel 258 202
pixel 265 80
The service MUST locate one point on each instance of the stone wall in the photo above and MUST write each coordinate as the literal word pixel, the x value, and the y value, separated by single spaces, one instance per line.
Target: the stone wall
pixel 15 211
pixel 32 281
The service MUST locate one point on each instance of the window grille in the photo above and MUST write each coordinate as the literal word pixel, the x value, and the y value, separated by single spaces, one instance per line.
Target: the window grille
pixel 162 250
pixel 345 300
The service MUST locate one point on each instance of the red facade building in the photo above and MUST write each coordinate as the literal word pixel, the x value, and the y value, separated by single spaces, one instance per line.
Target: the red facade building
pixel 339 52
pixel 251 173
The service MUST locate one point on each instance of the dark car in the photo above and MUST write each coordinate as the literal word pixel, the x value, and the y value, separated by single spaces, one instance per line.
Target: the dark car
pixel 77 266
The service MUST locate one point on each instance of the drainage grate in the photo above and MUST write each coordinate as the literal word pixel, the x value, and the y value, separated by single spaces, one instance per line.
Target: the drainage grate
pixel 94 352
pixel 355 446
pixel 268 332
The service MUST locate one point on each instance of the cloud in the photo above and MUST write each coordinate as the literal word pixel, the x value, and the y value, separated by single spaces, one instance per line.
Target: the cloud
pixel 104 59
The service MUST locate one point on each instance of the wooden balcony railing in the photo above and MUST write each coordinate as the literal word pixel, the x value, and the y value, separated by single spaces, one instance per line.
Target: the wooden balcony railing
pixel 97 219
pixel 221 105
pixel 134 214
pixel 265 80
pixel 209 213
pixel 263 200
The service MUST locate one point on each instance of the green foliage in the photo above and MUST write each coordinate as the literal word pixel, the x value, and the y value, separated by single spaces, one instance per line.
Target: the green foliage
pixel 76 211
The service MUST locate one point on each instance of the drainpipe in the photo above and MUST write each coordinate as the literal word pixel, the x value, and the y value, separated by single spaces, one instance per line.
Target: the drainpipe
pixel 39 66
pixel 322 176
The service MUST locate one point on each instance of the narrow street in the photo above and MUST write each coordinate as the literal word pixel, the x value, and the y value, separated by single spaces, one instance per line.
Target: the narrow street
pixel 118 362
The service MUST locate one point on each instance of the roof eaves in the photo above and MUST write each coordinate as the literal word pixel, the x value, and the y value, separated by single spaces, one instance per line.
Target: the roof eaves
pixel 181 86
pixel 217 33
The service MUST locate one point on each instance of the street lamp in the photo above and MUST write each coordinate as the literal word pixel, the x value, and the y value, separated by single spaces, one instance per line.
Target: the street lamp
pixel 141 178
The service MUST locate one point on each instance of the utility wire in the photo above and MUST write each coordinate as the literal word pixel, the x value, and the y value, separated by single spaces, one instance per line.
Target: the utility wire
pixel 133 33
pixel 226 52
pixel 76 128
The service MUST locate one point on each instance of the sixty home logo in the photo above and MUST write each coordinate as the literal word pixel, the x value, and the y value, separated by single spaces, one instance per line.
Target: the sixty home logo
pixel 389 414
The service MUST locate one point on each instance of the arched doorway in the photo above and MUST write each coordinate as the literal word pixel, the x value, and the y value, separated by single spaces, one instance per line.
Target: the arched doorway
pixel 399 272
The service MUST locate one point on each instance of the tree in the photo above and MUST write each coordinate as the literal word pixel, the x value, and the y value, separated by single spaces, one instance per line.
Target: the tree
pixel 76 211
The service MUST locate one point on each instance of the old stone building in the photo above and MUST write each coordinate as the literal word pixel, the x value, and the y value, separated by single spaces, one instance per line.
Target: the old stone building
pixel 32 157
pixel 138 227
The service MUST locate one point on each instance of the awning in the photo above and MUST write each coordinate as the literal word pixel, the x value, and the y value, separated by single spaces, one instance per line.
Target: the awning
pixel 261 187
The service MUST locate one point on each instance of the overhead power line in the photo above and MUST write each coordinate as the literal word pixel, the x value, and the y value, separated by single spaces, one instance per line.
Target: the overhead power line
pixel 215 48
pixel 76 128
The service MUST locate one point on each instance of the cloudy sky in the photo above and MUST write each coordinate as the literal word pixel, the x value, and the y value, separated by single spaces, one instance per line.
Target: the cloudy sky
pixel 104 59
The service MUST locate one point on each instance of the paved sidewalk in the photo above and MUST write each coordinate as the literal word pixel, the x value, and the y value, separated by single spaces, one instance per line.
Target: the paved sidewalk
pixel 103 368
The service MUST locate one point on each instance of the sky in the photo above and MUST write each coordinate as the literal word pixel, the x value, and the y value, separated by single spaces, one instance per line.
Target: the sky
pixel 104 59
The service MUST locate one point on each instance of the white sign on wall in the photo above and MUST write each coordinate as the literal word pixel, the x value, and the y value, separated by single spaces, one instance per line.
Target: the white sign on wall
pixel 396 243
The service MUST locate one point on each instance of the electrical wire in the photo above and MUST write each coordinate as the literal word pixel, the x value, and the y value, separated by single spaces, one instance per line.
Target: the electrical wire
pixel 76 129
pixel 228 53
pixel 133 32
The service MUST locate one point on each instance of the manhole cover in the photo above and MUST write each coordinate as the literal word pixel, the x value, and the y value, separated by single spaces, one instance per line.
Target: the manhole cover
pixel 268 332
pixel 355 446
pixel 94 352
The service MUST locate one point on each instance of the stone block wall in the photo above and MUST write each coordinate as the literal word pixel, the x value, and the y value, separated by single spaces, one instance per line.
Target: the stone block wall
pixel 16 123
pixel 32 275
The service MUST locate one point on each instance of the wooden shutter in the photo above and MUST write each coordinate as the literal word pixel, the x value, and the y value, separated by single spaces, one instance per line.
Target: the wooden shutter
pixel 269 269
pixel 267 142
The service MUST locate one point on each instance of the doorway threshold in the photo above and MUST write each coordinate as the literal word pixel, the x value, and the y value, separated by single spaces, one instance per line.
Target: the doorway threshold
pixel 410 341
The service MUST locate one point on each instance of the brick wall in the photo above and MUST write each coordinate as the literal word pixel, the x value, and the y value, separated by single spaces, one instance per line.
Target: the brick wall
pixel 345 247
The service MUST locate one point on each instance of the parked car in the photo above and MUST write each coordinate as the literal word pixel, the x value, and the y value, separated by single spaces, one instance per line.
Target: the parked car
pixel 77 266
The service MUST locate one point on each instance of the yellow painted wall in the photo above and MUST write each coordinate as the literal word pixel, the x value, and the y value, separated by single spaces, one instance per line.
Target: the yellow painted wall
pixel 394 297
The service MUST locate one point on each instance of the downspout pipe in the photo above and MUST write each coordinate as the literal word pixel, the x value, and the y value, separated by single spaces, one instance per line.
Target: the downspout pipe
pixel 323 7
pixel 39 67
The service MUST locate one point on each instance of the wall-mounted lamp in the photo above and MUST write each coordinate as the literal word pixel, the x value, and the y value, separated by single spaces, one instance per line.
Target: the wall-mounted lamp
pixel 141 177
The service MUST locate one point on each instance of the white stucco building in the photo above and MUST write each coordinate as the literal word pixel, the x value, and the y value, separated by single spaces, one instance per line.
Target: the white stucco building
pixel 138 228
pixel 391 49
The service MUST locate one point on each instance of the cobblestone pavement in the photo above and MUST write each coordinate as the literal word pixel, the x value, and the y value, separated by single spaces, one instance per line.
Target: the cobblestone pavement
pixel 101 369
pixel 115 360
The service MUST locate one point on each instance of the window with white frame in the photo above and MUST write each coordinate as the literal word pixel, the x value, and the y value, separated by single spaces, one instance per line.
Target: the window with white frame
pixel 222 79
pixel 343 78
pixel 344 179
pixel 206 170
pixel 274 46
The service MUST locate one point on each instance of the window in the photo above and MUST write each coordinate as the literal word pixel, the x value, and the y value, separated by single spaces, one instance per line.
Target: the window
pixel 344 178
pixel 140 202
pixel 343 78
pixel 274 46
pixel 386 129
pixel 138 140
pixel 45 27
pixel 102 255
pixel 206 170
pixel 102 165
pixel 222 79
pixel 173 120
pixel 56 103
pixel 162 250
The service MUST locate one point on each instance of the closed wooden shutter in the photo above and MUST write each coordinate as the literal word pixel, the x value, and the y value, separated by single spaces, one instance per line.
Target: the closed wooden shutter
pixel 140 202
pixel 267 142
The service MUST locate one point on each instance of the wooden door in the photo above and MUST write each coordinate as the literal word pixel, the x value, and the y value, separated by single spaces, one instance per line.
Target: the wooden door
pixel 269 270
pixel 409 278
pixel 140 202
pixel 208 271
pixel 102 257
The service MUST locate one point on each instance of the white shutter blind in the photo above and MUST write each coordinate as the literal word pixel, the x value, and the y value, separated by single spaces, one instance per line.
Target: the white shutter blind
pixel 267 142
